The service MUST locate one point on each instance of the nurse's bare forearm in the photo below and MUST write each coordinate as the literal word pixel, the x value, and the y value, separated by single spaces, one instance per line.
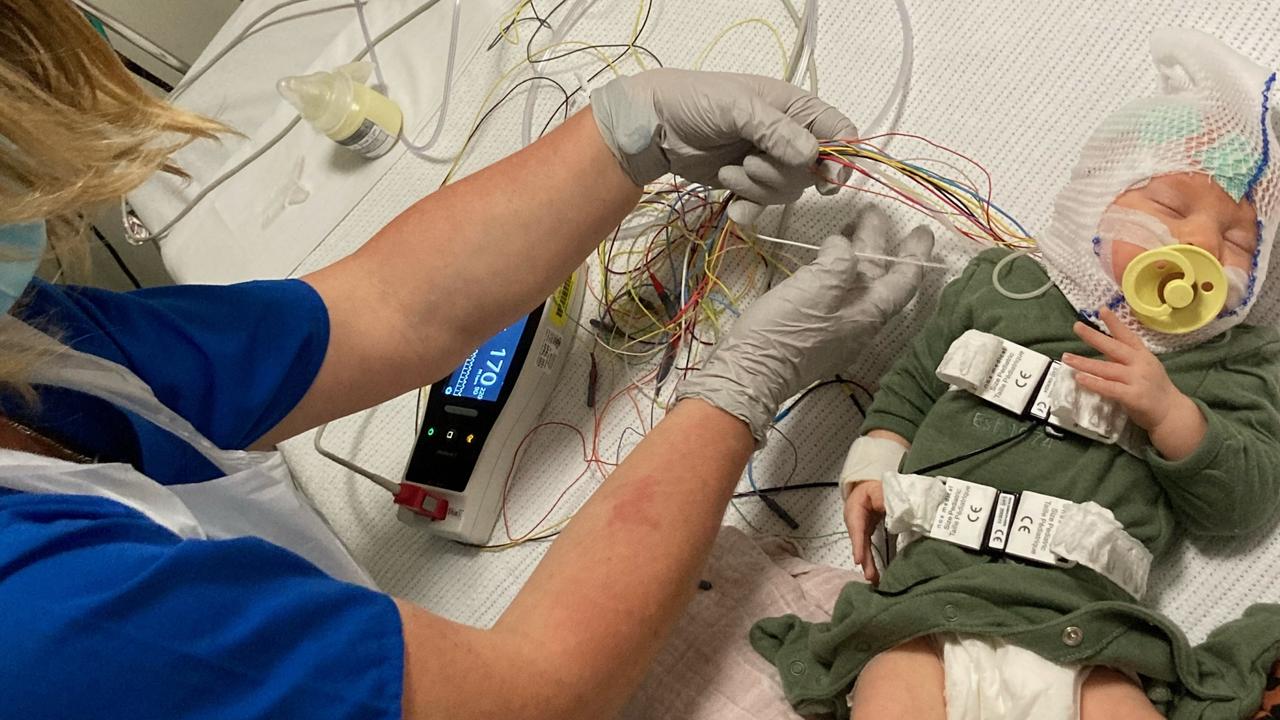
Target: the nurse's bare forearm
pixel 583 630
pixel 459 265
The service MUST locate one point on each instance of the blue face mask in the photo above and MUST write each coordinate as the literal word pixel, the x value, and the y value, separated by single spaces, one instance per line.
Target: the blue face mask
pixel 21 248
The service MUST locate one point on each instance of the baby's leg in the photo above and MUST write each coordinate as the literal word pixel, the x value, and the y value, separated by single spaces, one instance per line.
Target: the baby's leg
pixel 1109 695
pixel 906 681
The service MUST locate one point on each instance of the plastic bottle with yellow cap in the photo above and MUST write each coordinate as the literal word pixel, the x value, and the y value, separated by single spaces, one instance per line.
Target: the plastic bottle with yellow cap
pixel 341 106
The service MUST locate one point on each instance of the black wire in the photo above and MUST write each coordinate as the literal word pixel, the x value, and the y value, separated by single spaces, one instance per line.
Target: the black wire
pixel 565 103
pixel 546 22
pixel 116 256
pixel 773 505
pixel 784 488
pixel 870 395
pixel 144 73
pixel 862 411
pixel 853 396
pixel 795 456
pixel 972 454
pixel 605 46
pixel 644 23
pixel 954 199
pixel 617 456
pixel 814 388
pixel 501 33
pixel 596 74
pixel 507 96
pixel 762 493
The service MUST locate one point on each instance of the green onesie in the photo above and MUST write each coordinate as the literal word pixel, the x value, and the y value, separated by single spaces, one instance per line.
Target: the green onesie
pixel 1229 486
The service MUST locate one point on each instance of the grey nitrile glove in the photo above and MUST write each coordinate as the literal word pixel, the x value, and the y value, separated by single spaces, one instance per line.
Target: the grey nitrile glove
pixel 750 134
pixel 808 327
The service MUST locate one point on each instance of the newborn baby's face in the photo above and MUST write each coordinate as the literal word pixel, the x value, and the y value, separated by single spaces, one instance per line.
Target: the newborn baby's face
pixel 1197 212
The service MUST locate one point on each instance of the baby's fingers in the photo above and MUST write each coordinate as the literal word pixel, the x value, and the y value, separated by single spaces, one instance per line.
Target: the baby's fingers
pixel 869 570
pixel 1120 331
pixel 1104 343
pixel 855 518
pixel 858 520
pixel 1100 368
pixel 1109 389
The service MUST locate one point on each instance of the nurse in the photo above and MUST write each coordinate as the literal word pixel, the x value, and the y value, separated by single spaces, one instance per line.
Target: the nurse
pixel 154 559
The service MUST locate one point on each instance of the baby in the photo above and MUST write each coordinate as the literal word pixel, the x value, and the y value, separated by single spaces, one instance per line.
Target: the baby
pixel 948 631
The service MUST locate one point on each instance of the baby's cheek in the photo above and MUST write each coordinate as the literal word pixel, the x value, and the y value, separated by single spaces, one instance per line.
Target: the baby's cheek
pixel 1122 253
pixel 1237 258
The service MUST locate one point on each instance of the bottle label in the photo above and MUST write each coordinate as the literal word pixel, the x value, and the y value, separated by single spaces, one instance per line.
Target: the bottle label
pixel 370 140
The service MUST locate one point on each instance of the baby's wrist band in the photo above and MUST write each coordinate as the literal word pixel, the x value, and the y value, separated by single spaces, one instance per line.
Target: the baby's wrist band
pixel 869 458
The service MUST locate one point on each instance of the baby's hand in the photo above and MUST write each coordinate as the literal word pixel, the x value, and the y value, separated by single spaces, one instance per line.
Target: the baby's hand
pixel 1133 377
pixel 863 512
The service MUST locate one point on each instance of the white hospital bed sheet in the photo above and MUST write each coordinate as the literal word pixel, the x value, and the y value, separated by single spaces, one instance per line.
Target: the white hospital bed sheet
pixel 1015 84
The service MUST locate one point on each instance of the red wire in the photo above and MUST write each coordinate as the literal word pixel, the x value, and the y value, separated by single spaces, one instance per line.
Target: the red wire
pixel 908 200
pixel 591 459
pixel 990 184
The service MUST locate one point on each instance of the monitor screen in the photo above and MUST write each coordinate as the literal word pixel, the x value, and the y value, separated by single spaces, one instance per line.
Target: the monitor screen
pixel 483 374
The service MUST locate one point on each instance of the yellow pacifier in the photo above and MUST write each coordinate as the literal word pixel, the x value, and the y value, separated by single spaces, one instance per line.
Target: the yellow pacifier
pixel 1175 289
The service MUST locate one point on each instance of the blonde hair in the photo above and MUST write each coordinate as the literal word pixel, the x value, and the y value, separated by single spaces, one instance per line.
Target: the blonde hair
pixel 76 130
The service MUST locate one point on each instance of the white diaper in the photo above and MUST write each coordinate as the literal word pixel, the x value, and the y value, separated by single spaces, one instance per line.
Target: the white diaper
pixel 987 679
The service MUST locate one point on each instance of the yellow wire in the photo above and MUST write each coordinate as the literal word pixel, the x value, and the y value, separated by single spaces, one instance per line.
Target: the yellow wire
pixel 777 36
pixel 531 537
pixel 510 19
pixel 457 159
pixel 998 226
pixel 635 35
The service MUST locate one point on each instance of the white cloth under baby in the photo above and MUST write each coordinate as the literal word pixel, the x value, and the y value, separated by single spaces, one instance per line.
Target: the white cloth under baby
pixel 988 679
pixel 1213 116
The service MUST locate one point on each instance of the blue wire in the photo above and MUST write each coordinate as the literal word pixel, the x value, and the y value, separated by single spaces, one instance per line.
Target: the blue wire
pixel 724 304
pixel 968 191
pixel 776 419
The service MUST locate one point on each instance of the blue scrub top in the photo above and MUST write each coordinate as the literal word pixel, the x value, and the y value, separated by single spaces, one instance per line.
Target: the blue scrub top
pixel 105 614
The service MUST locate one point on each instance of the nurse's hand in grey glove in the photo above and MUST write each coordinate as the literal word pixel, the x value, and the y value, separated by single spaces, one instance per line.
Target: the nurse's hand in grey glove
pixel 809 326
pixel 753 135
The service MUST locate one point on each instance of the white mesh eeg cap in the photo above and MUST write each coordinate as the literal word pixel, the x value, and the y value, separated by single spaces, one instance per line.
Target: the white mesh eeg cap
pixel 1213 116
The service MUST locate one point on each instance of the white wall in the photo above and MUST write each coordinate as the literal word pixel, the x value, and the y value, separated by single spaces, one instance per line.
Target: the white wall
pixel 183 27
